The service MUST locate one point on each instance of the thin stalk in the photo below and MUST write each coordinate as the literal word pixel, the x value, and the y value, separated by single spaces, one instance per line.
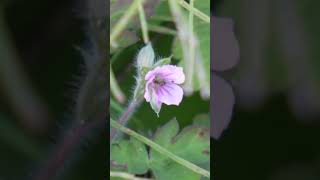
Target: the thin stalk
pixel 115 88
pixel 192 47
pixel 119 109
pixel 160 149
pixel 123 120
pixel 202 78
pixel 195 11
pixel 143 22
pixel 125 175
pixel 184 35
pixel 119 27
pixel 160 18
pixel 162 30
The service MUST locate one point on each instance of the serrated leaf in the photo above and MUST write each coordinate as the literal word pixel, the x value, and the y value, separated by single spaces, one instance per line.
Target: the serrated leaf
pixel 131 154
pixel 192 144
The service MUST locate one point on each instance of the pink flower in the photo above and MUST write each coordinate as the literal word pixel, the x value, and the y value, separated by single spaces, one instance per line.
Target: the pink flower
pixel 162 86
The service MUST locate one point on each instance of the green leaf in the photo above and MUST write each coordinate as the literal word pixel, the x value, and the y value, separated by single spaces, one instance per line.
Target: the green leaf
pixel 203 120
pixel 131 154
pixel 192 144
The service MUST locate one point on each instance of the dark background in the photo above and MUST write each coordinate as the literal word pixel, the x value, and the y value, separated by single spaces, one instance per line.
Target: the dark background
pixel 277 136
pixel 41 72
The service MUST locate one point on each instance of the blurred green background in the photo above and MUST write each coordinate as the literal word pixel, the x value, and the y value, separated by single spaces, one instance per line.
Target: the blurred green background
pixel 41 72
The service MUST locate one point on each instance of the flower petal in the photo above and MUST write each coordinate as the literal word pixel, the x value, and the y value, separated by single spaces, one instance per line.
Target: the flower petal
pixel 151 74
pixel 148 90
pixel 169 73
pixel 173 74
pixel 155 102
pixel 170 94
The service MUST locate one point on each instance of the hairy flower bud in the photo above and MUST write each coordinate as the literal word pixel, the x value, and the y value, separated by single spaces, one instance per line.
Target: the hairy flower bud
pixel 146 57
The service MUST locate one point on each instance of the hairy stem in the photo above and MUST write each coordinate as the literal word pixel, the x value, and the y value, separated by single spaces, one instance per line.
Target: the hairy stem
pixel 91 103
pixel 123 120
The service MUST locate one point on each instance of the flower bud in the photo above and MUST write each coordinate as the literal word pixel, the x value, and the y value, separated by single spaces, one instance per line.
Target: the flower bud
pixel 145 57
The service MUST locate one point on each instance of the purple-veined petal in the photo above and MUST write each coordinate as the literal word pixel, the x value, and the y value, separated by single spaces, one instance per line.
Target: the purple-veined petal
pixel 222 101
pixel 155 102
pixel 170 94
pixel 148 89
pixel 147 92
pixel 173 74
pixel 151 74
pixel 169 73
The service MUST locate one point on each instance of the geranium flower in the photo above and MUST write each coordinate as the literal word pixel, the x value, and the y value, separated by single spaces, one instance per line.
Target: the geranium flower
pixel 162 86
pixel 225 51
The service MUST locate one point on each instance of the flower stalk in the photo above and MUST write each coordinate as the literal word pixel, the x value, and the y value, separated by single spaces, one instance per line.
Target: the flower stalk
pixel 124 118
pixel 195 11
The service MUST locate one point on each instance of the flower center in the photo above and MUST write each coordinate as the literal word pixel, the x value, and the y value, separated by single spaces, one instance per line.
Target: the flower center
pixel 159 81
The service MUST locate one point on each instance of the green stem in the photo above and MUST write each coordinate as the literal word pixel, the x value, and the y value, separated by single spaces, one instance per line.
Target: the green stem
pixel 195 11
pixel 115 88
pixel 160 149
pixel 203 79
pixel 192 47
pixel 143 22
pixel 185 37
pixel 162 30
